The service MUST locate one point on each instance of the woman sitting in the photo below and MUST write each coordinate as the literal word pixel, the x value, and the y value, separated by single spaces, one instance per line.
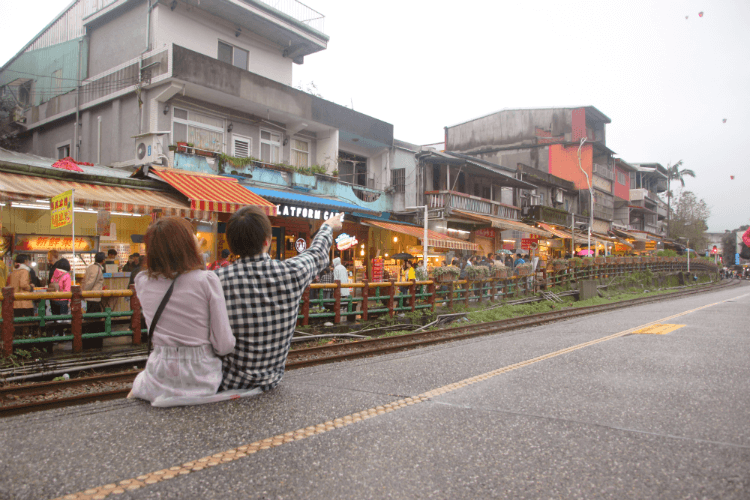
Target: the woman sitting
pixel 193 329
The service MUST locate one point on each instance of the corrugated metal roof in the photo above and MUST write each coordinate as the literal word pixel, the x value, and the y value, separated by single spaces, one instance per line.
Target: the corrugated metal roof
pixel 316 201
pixel 11 157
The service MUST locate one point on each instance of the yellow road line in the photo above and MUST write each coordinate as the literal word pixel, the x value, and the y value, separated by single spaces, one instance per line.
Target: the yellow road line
pixel 659 329
pixel 102 492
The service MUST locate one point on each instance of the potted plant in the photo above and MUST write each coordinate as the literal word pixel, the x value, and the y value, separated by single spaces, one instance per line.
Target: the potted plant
pixel 575 262
pixel 523 269
pixel 446 274
pixel 182 147
pixel 476 273
pixel 599 259
pixel 587 262
pixel 172 147
pixel 559 264
pixel 502 272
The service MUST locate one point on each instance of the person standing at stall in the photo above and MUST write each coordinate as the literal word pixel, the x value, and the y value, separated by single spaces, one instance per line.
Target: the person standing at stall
pixel 93 280
pixel 20 280
pixel 341 274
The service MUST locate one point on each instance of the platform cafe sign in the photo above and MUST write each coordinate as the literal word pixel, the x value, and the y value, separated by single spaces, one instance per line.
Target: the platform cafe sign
pixel 284 210
pixel 62 209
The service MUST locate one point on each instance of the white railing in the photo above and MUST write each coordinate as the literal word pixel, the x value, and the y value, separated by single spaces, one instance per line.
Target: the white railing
pixel 468 203
pixel 605 171
pixel 300 12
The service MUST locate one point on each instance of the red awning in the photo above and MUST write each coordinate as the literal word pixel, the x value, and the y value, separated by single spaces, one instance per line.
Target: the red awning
pixel 213 193
pixel 434 239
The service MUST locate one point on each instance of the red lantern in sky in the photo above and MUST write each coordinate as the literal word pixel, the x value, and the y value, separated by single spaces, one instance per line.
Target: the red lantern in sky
pixel 700 14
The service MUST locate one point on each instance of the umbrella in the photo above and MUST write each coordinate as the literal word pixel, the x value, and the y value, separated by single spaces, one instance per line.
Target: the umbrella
pixel 504 251
pixel 403 256
pixel 585 252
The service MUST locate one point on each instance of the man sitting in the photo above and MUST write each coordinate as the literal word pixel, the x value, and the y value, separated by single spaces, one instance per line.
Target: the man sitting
pixel 263 296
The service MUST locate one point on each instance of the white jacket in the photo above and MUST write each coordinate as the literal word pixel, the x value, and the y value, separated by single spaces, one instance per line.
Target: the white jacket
pixel 340 273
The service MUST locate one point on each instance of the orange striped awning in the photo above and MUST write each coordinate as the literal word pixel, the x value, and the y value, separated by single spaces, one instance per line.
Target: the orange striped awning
pixel 213 193
pixel 25 188
pixel 434 239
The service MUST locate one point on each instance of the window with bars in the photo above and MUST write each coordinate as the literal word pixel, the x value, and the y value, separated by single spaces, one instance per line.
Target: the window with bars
pixel 203 131
pixel 270 146
pixel 622 179
pixel 399 179
pixel 300 153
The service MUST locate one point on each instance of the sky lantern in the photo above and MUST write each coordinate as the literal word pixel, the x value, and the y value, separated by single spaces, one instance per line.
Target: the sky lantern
pixel 700 14
pixel 724 120
pixel 731 177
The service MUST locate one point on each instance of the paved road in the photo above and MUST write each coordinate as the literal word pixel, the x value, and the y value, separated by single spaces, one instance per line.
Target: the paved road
pixel 580 409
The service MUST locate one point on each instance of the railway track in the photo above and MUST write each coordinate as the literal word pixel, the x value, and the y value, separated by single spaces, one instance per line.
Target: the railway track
pixel 51 395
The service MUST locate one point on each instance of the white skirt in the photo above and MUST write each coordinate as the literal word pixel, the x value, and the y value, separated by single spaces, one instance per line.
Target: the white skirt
pixel 179 372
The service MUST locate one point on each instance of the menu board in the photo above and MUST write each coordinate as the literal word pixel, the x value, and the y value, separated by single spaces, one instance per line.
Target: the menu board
pixel 377 269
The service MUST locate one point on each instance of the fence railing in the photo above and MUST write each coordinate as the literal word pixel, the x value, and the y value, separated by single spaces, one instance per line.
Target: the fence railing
pixel 319 302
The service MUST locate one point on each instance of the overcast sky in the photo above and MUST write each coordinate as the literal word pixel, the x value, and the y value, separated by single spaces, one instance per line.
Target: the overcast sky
pixel 666 82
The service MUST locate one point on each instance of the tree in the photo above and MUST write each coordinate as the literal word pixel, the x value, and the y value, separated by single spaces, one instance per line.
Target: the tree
pixel 689 221
pixel 674 173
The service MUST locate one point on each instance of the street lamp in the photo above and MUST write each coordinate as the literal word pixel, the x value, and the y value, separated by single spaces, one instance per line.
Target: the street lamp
pixel 424 240
pixel 591 190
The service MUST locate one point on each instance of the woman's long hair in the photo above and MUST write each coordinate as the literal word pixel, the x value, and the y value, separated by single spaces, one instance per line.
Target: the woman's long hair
pixel 171 248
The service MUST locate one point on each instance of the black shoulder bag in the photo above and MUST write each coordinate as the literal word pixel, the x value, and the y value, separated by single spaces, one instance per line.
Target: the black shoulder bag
pixel 159 310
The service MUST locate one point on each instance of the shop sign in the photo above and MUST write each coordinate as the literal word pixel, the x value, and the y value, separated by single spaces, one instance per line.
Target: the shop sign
pixel 526 242
pixel 283 210
pixel 650 245
pixel 35 243
pixel 300 245
pixel 62 209
pixel 488 232
pixel 103 221
pixel 345 242
pixel 619 247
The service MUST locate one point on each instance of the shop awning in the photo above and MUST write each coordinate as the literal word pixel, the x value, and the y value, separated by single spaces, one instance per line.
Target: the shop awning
pixel 582 237
pixel 499 223
pixel 28 189
pixel 434 239
pixel 623 234
pixel 555 232
pixel 213 193
pixel 307 200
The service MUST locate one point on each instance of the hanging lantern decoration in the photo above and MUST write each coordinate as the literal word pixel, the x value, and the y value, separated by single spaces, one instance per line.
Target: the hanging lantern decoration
pixel 700 14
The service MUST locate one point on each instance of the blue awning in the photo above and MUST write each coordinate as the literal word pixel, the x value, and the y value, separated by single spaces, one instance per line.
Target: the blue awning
pixel 307 200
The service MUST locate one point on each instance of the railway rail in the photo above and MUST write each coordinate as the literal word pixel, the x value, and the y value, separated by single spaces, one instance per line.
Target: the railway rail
pixel 115 386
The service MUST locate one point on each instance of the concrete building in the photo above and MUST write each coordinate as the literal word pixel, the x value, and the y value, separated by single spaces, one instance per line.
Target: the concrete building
pixel 216 73
pixel 548 140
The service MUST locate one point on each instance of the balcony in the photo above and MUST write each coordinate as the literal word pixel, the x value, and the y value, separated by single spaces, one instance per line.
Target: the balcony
pixel 549 215
pixel 450 200
pixel 641 194
pixel 605 171
pixel 300 12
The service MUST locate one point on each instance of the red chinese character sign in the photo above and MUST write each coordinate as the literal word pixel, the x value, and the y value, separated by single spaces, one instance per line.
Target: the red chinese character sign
pixel 61 207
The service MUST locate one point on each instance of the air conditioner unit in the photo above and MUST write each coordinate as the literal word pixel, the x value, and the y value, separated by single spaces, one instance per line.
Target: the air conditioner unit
pixel 151 148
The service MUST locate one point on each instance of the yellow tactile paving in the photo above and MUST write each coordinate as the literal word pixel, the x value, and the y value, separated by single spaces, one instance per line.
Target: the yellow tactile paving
pixel 659 329
pixel 267 443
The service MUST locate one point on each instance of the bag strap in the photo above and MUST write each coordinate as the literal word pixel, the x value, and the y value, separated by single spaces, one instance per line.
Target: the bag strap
pixel 159 310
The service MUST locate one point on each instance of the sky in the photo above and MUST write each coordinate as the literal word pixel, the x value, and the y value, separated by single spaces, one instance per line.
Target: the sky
pixel 666 76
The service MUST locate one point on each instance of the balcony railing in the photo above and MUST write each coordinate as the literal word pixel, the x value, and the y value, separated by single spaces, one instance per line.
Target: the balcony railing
pixel 450 200
pixel 605 171
pixel 642 194
pixel 300 12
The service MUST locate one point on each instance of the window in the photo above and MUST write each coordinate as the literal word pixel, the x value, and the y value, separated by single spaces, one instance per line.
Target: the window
pixel 203 131
pixel 436 177
pixel 63 152
pixel 621 178
pixel 300 153
pixel 399 179
pixel 487 192
pixel 270 146
pixel 233 55
pixel 632 182
pixel 242 147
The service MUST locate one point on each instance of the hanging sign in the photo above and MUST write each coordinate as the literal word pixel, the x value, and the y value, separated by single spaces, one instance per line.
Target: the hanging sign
pixel 284 210
pixel 485 233
pixel 345 242
pixel 103 220
pixel 35 243
pixel 62 209
pixel 300 245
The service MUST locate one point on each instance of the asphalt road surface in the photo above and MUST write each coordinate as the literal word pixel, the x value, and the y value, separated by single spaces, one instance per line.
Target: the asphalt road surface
pixel 586 408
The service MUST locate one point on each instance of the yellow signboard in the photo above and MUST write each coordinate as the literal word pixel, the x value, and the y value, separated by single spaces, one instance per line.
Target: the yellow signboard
pixel 62 209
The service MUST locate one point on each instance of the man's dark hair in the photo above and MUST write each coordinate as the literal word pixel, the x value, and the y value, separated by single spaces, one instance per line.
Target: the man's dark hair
pixel 135 255
pixel 247 231
pixel 21 258
pixel 100 257
pixel 225 253
pixel 518 255
pixel 112 251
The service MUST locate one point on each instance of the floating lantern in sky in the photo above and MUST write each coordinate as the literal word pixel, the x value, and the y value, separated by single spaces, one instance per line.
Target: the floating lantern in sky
pixel 700 14
pixel 731 177
pixel 724 120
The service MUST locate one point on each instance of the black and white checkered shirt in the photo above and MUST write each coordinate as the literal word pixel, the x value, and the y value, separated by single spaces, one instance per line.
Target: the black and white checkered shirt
pixel 263 297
